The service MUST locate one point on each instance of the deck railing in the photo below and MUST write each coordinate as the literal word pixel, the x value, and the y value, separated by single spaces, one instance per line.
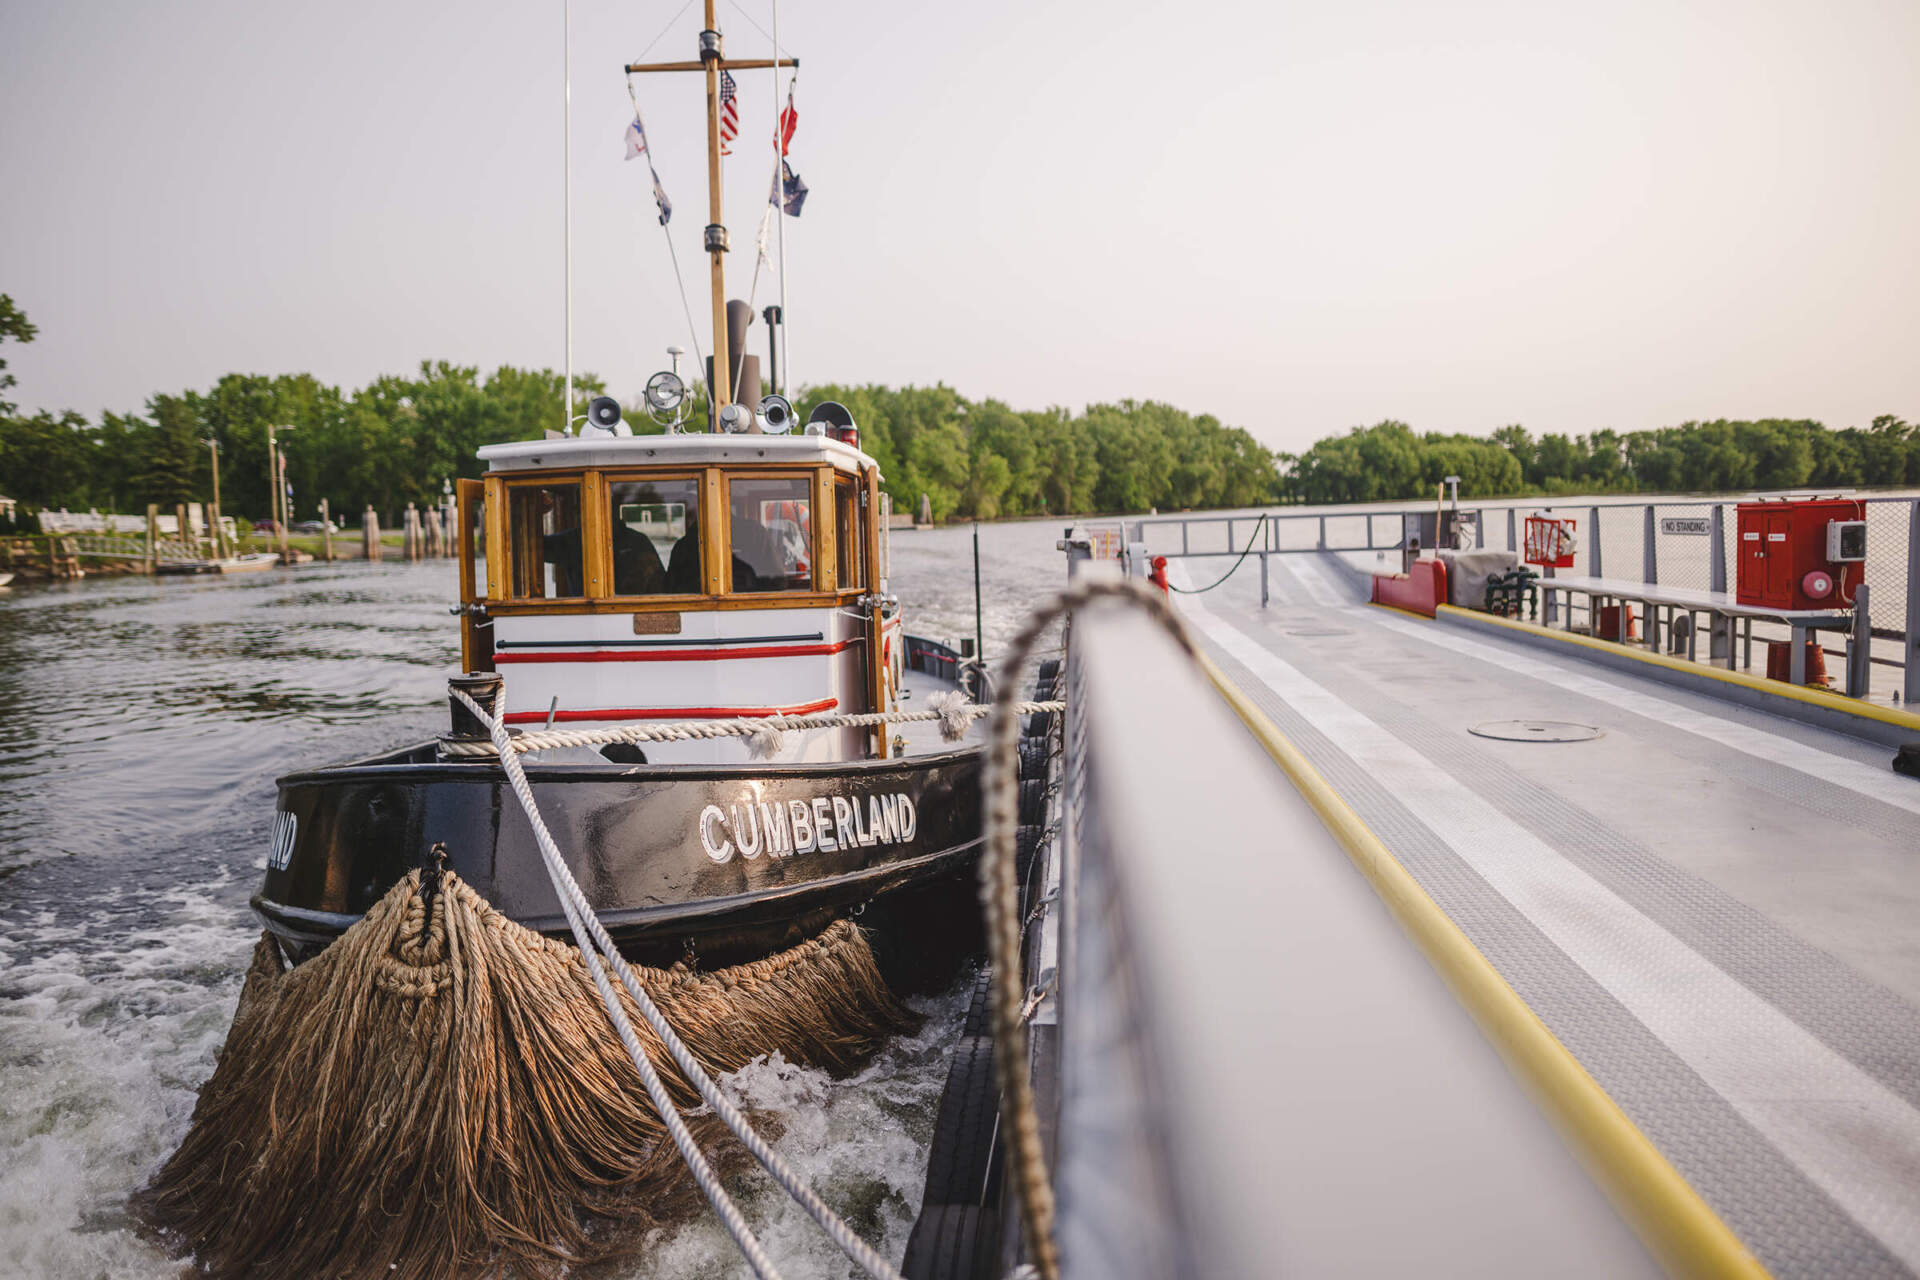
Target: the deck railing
pixel 1648 542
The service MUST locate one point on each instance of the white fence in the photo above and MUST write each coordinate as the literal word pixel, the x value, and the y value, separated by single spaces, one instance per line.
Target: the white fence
pixel 68 522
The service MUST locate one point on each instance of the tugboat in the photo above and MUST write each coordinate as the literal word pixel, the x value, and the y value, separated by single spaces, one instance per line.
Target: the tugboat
pixel 643 580
pixel 693 636
pixel 611 579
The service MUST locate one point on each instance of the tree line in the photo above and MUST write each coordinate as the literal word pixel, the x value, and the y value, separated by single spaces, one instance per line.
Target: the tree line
pixel 1390 461
pixel 980 459
pixel 400 439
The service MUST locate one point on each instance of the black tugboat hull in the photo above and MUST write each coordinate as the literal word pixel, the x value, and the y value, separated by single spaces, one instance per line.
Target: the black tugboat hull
pixel 730 861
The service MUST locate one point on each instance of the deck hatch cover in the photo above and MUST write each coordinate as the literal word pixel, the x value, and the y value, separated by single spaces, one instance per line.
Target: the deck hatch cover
pixel 1536 731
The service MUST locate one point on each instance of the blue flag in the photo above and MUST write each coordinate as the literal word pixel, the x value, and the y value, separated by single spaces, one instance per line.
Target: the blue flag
pixel 795 188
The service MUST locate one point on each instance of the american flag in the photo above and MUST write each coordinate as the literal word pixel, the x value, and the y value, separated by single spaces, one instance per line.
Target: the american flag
pixel 729 115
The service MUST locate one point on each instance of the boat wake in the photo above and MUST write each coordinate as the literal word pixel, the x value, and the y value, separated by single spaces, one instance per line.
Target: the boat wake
pixel 104 1048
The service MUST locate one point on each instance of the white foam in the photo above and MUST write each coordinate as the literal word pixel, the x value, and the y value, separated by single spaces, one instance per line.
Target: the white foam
pixel 104 1047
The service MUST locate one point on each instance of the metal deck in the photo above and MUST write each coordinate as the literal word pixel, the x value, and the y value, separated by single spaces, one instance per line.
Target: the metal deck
pixel 1715 910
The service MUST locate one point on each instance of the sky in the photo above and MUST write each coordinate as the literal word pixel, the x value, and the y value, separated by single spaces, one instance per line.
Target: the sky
pixel 1299 218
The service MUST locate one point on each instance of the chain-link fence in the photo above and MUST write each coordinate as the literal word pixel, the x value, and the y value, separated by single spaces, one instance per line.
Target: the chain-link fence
pixel 1889 539
pixel 1683 546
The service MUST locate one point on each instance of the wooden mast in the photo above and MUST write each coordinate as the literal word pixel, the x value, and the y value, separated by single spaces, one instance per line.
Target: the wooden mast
pixel 712 61
pixel 720 384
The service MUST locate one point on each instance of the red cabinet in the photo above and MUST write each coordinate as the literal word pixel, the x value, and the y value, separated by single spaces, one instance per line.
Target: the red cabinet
pixel 1781 555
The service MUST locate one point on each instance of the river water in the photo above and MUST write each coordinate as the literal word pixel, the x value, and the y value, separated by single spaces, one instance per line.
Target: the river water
pixel 142 722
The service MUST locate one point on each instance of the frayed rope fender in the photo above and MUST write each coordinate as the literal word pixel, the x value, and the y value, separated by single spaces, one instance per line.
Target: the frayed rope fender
pixel 439 1092
pixel 581 919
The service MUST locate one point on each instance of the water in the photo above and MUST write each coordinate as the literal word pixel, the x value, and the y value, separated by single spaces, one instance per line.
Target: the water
pixel 142 722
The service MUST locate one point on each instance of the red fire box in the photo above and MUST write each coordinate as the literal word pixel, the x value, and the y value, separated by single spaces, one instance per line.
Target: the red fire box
pixel 1800 554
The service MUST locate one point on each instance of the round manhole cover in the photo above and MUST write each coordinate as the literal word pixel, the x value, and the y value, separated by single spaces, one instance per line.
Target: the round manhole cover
pixel 1319 631
pixel 1535 731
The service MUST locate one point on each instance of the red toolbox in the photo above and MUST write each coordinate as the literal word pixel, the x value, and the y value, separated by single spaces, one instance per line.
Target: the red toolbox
pixel 1800 554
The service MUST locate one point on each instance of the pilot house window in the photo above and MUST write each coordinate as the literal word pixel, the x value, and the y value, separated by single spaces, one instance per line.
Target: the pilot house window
pixel 543 526
pixel 770 529
pixel 656 536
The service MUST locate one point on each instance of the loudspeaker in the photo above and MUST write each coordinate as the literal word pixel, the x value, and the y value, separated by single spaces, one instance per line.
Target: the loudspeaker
pixel 776 415
pixel 604 412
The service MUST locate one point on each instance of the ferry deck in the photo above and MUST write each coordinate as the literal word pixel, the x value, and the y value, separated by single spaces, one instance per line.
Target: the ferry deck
pixel 1714 910
pixel 1638 1000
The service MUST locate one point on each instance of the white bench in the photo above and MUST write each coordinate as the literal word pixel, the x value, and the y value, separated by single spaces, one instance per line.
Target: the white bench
pixel 1653 597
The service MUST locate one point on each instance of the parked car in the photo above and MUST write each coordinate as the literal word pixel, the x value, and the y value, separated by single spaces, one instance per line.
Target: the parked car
pixel 310 526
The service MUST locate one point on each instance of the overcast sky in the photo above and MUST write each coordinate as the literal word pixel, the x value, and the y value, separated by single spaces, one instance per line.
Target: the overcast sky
pixel 1296 217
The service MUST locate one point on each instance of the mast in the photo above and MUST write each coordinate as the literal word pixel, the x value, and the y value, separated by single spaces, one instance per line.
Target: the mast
pixel 720 384
pixel 566 166
pixel 713 61
pixel 780 210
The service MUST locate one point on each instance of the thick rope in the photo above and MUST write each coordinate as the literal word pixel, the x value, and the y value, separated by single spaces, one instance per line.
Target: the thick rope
pixel 1000 896
pixel 954 717
pixel 571 902
pixel 583 922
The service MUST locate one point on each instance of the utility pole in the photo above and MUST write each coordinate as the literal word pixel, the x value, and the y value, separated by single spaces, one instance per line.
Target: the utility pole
pixel 273 477
pixel 277 476
pixel 219 544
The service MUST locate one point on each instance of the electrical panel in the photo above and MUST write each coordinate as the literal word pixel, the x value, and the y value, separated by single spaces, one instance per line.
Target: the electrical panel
pixel 1846 541
pixel 1796 555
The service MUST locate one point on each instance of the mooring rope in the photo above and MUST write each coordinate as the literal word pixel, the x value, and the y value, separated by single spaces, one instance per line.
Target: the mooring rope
pixel 955 713
pixel 1000 896
pixel 583 922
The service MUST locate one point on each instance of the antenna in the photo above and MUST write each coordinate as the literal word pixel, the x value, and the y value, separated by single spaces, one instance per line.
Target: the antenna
pixel 780 172
pixel 566 165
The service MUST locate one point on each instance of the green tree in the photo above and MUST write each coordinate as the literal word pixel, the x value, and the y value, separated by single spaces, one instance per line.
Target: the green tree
pixel 14 327
pixel 173 463
pixel 48 460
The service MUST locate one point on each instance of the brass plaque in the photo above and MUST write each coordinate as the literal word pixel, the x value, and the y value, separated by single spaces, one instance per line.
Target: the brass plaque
pixel 656 624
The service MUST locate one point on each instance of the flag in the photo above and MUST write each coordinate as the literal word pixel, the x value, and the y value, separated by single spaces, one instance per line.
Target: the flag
pixel 660 198
pixel 761 241
pixel 636 136
pixel 788 120
pixel 729 114
pixel 795 188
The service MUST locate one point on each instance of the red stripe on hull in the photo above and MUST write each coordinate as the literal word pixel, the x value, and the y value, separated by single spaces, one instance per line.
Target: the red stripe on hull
pixel 675 655
pixel 673 713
